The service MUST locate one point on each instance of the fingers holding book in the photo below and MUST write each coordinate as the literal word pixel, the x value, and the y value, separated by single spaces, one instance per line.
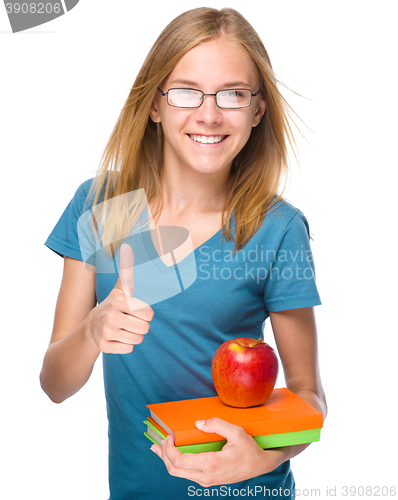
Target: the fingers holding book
pixel 240 458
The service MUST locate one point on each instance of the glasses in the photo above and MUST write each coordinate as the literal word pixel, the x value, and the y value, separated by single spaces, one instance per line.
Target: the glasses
pixel 225 99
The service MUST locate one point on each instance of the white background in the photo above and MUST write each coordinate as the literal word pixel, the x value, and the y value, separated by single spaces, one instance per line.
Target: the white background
pixel 63 85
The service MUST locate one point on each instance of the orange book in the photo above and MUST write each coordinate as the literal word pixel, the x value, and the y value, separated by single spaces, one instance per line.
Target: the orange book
pixel 283 412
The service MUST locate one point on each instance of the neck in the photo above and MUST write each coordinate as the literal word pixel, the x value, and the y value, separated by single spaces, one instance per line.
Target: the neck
pixel 196 193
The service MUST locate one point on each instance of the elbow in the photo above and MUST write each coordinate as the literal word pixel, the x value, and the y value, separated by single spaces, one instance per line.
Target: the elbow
pixel 51 393
pixel 55 399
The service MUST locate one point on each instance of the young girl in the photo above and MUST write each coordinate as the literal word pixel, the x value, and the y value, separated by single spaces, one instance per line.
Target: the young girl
pixel 203 135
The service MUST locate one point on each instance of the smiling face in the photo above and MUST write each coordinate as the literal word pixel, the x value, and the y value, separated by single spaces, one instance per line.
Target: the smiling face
pixel 207 139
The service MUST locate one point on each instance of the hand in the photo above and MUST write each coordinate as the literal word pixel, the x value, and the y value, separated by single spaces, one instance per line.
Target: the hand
pixel 241 457
pixel 120 322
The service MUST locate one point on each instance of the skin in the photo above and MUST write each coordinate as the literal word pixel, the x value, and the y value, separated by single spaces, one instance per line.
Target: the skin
pixel 195 181
pixel 209 67
pixel 196 176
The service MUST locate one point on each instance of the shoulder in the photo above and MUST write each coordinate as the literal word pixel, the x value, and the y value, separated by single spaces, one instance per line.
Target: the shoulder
pixel 284 216
pixel 84 196
pixel 83 190
pixel 64 238
pixel 283 225
pixel 88 189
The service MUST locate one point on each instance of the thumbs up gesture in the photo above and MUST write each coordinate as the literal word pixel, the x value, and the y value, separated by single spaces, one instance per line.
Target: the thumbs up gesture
pixel 125 281
pixel 121 321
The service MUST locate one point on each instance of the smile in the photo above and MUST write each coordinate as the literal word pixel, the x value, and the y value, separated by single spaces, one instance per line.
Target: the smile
pixel 211 139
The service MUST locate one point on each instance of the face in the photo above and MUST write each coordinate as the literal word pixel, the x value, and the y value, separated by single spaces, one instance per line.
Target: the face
pixel 210 67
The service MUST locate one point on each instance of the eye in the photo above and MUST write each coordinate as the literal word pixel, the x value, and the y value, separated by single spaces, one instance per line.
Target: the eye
pixel 185 93
pixel 233 93
pixel 185 98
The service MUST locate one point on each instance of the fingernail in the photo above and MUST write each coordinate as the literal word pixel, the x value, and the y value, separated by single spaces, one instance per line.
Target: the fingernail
pixel 199 423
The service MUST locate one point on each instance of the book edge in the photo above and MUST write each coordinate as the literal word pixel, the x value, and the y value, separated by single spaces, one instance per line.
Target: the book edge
pixel 265 441
pixel 313 420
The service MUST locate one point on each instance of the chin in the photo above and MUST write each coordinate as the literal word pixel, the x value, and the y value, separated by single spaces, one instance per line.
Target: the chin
pixel 209 166
pixel 212 169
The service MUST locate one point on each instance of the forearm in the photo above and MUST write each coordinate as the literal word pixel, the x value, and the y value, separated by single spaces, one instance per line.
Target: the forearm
pixel 296 338
pixel 68 364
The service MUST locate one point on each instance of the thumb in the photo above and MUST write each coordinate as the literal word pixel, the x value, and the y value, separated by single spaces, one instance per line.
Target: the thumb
pixel 219 426
pixel 126 268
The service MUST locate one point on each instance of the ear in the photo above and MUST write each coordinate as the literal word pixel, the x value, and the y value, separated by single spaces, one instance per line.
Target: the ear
pixel 154 112
pixel 261 105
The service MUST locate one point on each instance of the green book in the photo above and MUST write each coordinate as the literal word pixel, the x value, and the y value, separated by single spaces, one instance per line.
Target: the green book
pixel 266 441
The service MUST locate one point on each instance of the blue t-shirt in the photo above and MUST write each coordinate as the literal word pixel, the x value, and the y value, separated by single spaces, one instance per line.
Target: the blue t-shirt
pixel 230 296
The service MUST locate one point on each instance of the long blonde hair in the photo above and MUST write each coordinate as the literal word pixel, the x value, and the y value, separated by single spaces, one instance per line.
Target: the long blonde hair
pixel 133 157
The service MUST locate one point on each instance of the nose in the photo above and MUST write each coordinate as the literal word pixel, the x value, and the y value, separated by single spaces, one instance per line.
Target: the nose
pixel 209 113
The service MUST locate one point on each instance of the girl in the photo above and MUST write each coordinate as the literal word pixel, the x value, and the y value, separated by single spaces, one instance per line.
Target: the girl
pixel 203 135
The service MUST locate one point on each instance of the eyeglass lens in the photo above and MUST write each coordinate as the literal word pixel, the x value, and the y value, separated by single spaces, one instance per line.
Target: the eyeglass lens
pixel 189 98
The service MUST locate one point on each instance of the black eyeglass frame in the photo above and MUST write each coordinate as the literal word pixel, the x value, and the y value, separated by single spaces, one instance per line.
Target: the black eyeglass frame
pixel 166 94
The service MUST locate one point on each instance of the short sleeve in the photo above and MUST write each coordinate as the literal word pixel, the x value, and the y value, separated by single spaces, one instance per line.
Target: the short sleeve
pixel 64 238
pixel 291 280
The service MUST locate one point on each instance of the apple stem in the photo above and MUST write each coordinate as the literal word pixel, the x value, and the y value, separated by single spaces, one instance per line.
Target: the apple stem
pixel 257 341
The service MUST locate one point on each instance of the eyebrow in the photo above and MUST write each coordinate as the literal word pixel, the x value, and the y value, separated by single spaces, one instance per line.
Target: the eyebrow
pixel 226 85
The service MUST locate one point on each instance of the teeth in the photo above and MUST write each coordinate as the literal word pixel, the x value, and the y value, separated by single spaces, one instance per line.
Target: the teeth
pixel 207 140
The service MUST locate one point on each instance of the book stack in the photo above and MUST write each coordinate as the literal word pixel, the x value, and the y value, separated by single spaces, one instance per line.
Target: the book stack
pixel 284 420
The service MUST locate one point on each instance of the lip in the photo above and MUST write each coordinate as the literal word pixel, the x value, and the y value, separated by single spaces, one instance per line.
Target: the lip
pixel 210 145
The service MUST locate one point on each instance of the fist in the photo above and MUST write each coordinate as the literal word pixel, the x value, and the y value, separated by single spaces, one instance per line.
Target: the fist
pixel 121 321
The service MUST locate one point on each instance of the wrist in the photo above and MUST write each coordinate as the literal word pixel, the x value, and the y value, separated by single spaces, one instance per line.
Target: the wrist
pixel 88 332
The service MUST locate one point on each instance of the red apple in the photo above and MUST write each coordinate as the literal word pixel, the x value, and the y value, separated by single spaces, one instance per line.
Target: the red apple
pixel 244 372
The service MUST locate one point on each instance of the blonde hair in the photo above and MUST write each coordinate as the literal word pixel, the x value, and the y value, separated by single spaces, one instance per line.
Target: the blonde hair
pixel 133 157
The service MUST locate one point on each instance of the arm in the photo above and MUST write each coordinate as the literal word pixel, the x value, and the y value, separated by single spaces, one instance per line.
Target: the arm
pixel 71 355
pixel 82 330
pixel 241 458
pixel 296 339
